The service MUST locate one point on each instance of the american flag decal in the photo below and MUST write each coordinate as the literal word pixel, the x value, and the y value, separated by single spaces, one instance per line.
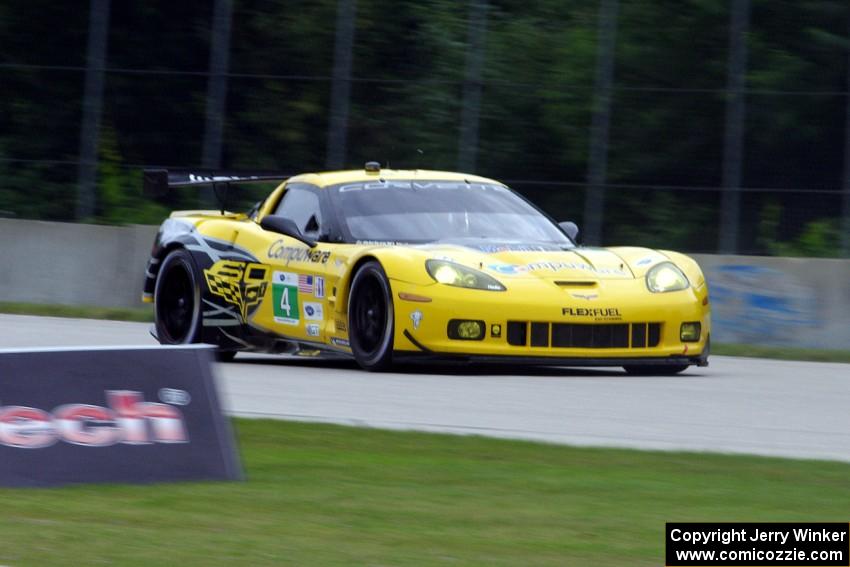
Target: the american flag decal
pixel 305 283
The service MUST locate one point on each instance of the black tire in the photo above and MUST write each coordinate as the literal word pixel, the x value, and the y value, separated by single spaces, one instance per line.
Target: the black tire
pixel 706 352
pixel 225 355
pixel 657 370
pixel 177 300
pixel 371 318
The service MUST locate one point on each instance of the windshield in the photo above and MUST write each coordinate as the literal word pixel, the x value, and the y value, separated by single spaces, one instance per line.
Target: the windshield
pixel 425 211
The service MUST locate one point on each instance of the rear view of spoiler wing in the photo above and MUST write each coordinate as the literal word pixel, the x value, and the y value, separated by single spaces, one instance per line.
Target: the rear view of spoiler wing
pixel 157 182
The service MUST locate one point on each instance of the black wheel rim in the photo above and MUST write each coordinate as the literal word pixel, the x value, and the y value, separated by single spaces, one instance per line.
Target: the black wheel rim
pixel 369 314
pixel 176 304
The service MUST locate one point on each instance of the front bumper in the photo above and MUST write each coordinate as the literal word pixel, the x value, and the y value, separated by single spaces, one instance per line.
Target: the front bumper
pixel 421 329
pixel 437 358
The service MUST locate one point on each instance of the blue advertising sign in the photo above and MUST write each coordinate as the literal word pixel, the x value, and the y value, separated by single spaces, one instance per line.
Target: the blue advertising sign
pixel 118 415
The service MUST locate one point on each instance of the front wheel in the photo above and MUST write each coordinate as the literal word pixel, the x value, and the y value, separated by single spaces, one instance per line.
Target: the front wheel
pixel 371 318
pixel 655 370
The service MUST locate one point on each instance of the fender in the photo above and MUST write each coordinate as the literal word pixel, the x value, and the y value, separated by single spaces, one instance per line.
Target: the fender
pixel 394 260
pixel 206 250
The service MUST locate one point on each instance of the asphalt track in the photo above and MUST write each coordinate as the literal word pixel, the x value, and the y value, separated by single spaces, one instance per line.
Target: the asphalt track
pixel 737 405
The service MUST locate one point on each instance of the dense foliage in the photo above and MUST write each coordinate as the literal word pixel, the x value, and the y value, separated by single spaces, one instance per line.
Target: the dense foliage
pixel 408 65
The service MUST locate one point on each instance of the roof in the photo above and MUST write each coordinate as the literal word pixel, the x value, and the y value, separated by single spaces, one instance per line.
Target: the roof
pixel 329 178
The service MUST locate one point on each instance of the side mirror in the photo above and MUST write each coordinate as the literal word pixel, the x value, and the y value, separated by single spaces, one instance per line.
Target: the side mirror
pixel 286 227
pixel 570 229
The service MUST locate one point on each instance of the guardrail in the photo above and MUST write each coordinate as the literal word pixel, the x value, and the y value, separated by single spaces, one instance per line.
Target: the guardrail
pixel 757 300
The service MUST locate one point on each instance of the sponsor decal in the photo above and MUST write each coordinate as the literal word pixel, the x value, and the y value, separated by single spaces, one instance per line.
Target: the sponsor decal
pixel 193 178
pixel 339 325
pixel 512 269
pixel 312 330
pixel 419 185
pixel 241 284
pixel 174 396
pixel 416 317
pixel 645 261
pixel 598 313
pixel 313 311
pixel 615 271
pixel 340 342
pixel 586 296
pixel 305 283
pixel 507 269
pixel 496 248
pixel 280 251
pixel 128 420
pixel 285 298
pixel 557 266
pixel 319 287
pixel 380 242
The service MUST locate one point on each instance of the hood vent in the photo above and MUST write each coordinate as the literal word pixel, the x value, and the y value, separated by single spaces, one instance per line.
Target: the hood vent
pixel 576 283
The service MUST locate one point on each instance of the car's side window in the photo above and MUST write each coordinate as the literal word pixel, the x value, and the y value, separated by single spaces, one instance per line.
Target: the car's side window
pixel 302 206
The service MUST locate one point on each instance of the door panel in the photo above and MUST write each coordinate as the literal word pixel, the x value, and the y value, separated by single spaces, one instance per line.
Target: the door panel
pixel 295 299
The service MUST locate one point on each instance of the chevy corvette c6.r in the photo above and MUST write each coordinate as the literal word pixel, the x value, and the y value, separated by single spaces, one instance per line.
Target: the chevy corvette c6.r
pixel 395 265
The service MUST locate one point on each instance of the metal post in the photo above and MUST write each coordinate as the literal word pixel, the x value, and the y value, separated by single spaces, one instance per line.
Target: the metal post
pixel 597 168
pixel 733 145
pixel 341 84
pixel 92 105
pixel 845 205
pixel 216 91
pixel 472 86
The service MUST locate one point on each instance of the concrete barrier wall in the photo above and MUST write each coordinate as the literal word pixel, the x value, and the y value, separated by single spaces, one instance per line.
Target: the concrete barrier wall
pixel 779 301
pixel 757 300
pixel 73 264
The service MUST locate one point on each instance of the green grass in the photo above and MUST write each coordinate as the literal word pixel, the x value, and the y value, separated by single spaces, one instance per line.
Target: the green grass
pixel 328 495
pixel 141 314
pixel 782 353
pixel 145 315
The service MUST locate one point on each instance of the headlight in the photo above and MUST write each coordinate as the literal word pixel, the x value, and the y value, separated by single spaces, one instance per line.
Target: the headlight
pixel 666 277
pixel 449 273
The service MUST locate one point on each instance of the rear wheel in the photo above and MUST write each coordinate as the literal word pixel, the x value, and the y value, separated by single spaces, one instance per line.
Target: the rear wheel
pixel 655 370
pixel 371 318
pixel 225 355
pixel 177 300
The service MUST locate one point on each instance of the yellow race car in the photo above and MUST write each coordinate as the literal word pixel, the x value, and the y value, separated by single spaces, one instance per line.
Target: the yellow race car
pixel 391 266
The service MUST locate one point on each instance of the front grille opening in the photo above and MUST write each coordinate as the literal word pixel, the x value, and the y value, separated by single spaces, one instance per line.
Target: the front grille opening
pixel 646 335
pixel 619 336
pixel 584 335
pixel 540 334
pixel 562 335
pixel 517 333
pixel 638 335
pixel 574 335
pixel 654 334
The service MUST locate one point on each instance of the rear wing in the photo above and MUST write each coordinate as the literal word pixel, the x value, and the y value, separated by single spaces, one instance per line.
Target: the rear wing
pixel 157 182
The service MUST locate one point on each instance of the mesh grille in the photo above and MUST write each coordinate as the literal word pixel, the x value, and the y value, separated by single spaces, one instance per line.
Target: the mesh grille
pixel 584 335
